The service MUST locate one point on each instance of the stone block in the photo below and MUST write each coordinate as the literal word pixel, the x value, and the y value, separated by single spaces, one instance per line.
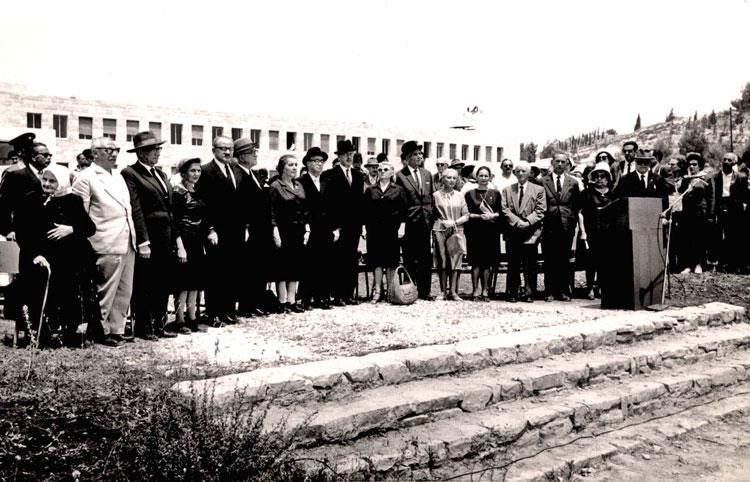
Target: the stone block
pixel 391 368
pixel 608 366
pixel 536 417
pixel 722 376
pixel 322 374
pixel 475 399
pixel 431 360
pixel 528 352
pixel 556 428
pixel 701 384
pixel 415 420
pixel 474 354
pixel 679 385
pixel 640 392
pixel 447 413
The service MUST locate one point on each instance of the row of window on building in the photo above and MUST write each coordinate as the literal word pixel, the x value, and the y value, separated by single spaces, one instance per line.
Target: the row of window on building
pixel 109 127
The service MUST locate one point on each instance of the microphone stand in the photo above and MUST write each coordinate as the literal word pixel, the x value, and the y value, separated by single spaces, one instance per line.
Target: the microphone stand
pixel 669 238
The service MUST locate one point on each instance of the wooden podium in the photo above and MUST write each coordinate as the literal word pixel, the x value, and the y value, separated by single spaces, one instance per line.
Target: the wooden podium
pixel 630 255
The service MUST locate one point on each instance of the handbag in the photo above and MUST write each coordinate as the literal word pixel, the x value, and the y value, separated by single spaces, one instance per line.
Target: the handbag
pixel 402 292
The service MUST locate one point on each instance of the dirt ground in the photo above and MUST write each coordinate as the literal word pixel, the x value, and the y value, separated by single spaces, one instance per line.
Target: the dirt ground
pixel 716 453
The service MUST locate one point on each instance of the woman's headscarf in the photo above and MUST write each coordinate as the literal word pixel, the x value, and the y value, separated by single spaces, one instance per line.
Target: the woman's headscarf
pixel 62 174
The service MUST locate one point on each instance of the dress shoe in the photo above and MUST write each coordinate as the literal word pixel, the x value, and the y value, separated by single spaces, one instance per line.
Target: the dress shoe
pixel 321 305
pixel 166 334
pixel 549 298
pixel 296 308
pixel 453 297
pixel 427 298
pixel 351 301
pixel 180 328
pixel 195 327
pixel 591 295
pixel 216 322
pixel 564 297
pixel 337 302
pixel 511 299
pixel 149 337
pixel 230 319
pixel 110 340
pixel 528 299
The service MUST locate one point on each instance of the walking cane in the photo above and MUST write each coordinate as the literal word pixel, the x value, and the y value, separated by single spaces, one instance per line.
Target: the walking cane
pixel 44 304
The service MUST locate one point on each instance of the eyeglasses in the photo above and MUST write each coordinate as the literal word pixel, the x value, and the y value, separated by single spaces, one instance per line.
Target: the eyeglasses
pixel 383 170
pixel 507 166
pixel 642 162
pixel 693 163
pixel 628 151
pixel 598 175
pixel 729 160
pixel 316 160
pixel 110 150
pixel 603 157
pixel 47 155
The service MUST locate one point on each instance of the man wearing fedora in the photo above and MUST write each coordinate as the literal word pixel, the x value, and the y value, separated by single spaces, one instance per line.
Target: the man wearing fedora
pixel 371 178
pixel 259 246
pixel 417 183
pixel 107 200
pixel 221 188
pixel 343 189
pixel 151 202
pixel 641 182
pixel 315 285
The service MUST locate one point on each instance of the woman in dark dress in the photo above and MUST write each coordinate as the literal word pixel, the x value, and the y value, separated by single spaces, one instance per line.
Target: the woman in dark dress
pixel 385 213
pixel 597 195
pixel 289 213
pixel 696 205
pixel 191 232
pixel 60 244
pixel 482 232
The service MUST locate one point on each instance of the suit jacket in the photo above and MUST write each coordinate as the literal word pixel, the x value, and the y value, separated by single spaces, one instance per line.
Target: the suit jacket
pixel 225 211
pixel 151 207
pixel 718 186
pixel 562 208
pixel 315 204
pixel 532 209
pixel 107 201
pixel 630 185
pixel 419 207
pixel 258 203
pixel 20 193
pixel 343 202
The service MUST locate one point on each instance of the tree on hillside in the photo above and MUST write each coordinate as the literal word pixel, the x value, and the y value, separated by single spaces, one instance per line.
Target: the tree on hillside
pixel 530 152
pixel 522 151
pixel 548 150
pixel 637 123
pixel 670 116
pixel 712 118
pixel 695 116
pixel 611 132
pixel 693 140
pixel 743 103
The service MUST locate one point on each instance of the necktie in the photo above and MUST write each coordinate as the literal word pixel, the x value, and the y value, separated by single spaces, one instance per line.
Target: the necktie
pixel 520 195
pixel 159 181
pixel 418 180
pixel 557 181
pixel 348 176
pixel 229 175
pixel 643 180
pixel 626 162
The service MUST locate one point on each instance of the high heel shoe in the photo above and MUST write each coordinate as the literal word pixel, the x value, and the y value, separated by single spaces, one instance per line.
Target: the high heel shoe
pixel 375 297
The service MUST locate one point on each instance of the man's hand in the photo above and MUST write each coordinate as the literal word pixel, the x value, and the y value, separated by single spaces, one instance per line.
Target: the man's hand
pixel 213 238
pixel 59 232
pixel 401 230
pixel 276 237
pixel 336 234
pixel 11 236
pixel 181 255
pixel 144 251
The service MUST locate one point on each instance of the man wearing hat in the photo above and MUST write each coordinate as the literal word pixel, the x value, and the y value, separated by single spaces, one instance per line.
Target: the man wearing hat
pixel 151 202
pixel 259 245
pixel 372 171
pixel 441 165
pixel 642 182
pixel 417 183
pixel 221 188
pixel 107 200
pixel 343 190
pixel 458 165
pixel 315 285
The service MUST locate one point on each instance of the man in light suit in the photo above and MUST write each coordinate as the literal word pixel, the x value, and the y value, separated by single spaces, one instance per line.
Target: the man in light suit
pixel 107 201
pixel 343 189
pixel 562 193
pixel 524 205
pixel 722 248
pixel 151 202
pixel 221 188
pixel 417 183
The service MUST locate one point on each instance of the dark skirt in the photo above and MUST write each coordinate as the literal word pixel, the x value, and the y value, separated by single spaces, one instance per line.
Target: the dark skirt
pixel 482 243
pixel 290 257
pixel 190 276
pixel 382 246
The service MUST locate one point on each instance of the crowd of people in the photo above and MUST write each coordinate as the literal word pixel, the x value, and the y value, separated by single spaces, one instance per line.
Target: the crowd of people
pixel 101 243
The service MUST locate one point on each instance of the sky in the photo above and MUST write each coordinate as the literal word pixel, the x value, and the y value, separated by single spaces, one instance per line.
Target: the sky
pixel 536 69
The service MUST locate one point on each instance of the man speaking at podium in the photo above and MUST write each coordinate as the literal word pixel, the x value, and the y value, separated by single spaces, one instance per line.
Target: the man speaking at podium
pixel 642 182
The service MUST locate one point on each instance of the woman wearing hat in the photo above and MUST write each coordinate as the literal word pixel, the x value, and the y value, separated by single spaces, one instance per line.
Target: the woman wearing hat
pixel 290 217
pixel 696 204
pixel 597 195
pixel 483 232
pixel 451 213
pixel 384 213
pixel 60 243
pixel 189 213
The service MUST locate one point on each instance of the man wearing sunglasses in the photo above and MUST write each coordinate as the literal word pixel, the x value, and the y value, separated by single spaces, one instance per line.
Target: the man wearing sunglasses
pixel 506 178
pixel 629 151
pixel 642 182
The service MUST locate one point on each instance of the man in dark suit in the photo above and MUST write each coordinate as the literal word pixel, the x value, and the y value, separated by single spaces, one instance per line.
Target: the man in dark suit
pixel 20 193
pixel 221 187
pixel 524 205
pixel 629 151
pixel 642 182
pixel 343 190
pixel 417 183
pixel 440 165
pixel 722 248
pixel 315 286
pixel 562 193
pixel 151 203
pixel 259 245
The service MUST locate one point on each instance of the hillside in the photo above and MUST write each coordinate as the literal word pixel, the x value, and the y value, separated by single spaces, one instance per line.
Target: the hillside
pixel 667 136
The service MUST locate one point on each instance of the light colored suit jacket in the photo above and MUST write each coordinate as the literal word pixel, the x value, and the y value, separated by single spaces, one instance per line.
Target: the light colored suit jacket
pixel 532 209
pixel 107 201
